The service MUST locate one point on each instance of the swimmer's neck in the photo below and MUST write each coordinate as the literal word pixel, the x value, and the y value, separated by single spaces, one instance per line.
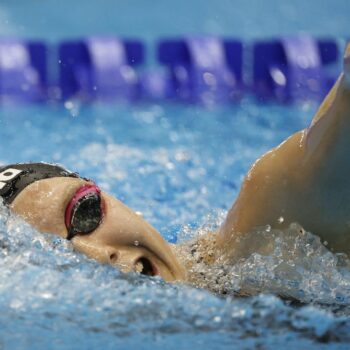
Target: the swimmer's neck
pixel 202 248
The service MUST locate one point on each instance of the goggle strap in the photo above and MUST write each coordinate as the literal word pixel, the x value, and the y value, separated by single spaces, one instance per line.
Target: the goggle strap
pixel 16 177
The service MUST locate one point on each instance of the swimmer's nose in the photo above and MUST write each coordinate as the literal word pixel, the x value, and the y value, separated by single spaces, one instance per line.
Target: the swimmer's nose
pixel 135 261
pixel 113 257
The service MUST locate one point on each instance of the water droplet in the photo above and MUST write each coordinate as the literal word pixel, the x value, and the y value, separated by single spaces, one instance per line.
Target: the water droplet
pixel 217 319
pixel 280 219
pixel 73 107
pixel 69 105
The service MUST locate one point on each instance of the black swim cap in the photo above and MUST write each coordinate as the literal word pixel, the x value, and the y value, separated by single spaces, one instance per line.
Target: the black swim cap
pixel 14 178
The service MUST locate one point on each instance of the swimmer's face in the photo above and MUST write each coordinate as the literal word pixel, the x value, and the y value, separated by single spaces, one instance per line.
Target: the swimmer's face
pixel 122 238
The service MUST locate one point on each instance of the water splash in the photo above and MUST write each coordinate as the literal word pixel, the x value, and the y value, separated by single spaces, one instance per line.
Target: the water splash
pixel 66 299
pixel 291 263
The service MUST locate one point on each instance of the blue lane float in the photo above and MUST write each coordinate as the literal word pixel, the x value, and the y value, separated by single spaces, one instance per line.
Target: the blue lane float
pixel 99 68
pixel 293 68
pixel 194 69
pixel 203 69
pixel 23 71
pixel 156 85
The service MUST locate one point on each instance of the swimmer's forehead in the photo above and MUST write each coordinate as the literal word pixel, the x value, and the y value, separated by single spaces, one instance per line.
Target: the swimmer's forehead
pixel 55 188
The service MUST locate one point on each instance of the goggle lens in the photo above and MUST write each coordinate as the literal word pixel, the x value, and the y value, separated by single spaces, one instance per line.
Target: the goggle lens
pixel 84 212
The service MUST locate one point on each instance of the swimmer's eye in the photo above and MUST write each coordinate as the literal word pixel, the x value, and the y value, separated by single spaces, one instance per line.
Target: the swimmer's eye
pixel 84 212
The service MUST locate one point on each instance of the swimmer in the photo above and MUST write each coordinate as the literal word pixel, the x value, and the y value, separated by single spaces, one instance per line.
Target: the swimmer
pixel 55 200
pixel 304 180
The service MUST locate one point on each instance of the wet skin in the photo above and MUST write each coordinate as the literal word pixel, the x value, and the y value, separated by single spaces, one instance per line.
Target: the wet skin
pixel 305 179
pixel 123 238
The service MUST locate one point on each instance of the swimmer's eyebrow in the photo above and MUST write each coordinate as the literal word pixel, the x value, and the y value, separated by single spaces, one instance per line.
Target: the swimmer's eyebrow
pixel 69 194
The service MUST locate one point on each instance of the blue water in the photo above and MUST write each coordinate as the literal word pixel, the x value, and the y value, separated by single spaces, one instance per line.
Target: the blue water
pixel 181 166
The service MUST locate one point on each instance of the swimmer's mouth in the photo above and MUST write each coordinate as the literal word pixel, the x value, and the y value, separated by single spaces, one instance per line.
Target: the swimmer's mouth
pixel 145 267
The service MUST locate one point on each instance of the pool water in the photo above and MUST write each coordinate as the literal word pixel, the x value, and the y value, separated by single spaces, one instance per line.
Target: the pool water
pixel 181 167
pixel 175 163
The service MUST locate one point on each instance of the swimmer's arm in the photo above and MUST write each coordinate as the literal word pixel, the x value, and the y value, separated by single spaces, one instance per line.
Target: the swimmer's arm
pixel 266 195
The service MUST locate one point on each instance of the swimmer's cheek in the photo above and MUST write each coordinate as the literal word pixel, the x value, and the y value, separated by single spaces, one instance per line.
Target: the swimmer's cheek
pixel 124 258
